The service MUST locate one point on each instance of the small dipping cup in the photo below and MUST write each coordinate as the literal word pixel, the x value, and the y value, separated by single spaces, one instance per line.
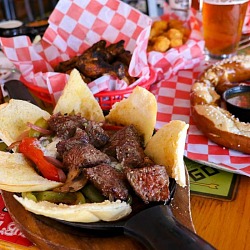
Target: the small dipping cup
pixel 10 28
pixel 238 102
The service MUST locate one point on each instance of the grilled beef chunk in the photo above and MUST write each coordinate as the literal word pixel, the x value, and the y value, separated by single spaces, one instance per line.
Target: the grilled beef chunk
pixel 130 154
pixel 150 183
pixel 80 149
pixel 126 146
pixel 97 136
pixel 80 138
pixel 65 125
pixel 76 158
pixel 119 137
pixel 108 180
pixel 84 156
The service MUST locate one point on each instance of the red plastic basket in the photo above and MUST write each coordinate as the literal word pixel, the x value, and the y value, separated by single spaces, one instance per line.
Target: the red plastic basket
pixel 105 98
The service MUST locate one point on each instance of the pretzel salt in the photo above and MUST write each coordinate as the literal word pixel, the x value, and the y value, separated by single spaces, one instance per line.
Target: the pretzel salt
pixel 219 125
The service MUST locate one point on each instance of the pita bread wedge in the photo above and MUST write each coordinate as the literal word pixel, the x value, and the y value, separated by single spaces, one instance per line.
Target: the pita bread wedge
pixel 17 175
pixel 14 117
pixel 139 109
pixel 77 97
pixel 166 147
pixel 88 212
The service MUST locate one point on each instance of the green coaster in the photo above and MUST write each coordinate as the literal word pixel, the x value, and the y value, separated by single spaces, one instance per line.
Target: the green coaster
pixel 211 182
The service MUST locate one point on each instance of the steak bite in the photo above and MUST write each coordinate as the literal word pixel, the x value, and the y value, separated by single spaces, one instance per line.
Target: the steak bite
pixel 97 135
pixel 149 183
pixel 108 180
pixel 130 154
pixel 126 146
pixel 78 157
pixel 85 155
pixel 80 138
pixel 65 125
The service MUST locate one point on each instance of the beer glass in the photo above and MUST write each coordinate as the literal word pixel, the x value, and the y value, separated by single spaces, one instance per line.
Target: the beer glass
pixel 222 26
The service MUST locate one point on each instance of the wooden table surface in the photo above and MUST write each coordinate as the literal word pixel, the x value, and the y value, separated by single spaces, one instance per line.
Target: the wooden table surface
pixel 224 224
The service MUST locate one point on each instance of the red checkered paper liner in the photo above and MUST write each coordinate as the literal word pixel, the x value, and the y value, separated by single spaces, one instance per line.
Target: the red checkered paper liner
pixel 173 97
pixel 183 57
pixel 75 26
pixel 8 230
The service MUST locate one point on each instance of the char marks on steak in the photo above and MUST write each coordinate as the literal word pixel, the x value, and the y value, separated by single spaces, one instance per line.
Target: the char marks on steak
pixel 150 183
pixel 97 135
pixel 76 158
pixel 65 125
pixel 80 138
pixel 108 180
pixel 126 146
pixel 84 156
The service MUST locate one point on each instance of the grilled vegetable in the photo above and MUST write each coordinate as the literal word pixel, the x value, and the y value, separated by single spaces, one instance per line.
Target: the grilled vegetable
pixel 29 146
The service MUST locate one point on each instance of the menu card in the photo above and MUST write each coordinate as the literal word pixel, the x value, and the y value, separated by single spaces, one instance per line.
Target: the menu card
pixel 211 182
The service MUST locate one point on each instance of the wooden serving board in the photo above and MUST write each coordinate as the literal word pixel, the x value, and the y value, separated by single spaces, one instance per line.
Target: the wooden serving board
pixel 48 234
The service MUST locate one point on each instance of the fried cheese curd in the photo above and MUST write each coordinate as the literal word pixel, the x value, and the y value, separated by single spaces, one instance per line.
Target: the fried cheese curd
pixel 165 35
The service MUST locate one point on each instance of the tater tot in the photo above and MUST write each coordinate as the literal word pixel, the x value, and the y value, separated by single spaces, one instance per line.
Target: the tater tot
pixel 154 33
pixel 174 34
pixel 161 44
pixel 174 23
pixel 184 31
pixel 165 35
pixel 160 25
pixel 176 42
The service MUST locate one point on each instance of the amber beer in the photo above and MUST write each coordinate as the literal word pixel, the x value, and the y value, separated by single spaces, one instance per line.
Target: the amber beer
pixel 222 26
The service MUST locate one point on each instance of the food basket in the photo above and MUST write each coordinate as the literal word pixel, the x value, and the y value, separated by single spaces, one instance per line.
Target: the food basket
pixel 75 26
pixel 186 56
pixel 106 99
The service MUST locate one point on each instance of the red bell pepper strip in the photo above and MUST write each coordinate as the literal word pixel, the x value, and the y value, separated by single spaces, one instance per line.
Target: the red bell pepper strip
pixel 106 126
pixel 29 147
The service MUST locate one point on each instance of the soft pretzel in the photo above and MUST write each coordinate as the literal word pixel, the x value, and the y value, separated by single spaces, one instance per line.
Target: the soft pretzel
pixel 208 111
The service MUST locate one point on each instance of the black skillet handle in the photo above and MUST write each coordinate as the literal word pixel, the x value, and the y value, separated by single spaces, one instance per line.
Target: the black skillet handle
pixel 157 229
pixel 17 90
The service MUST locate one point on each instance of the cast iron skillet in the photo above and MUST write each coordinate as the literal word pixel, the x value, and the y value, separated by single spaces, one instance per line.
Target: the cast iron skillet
pixel 153 225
